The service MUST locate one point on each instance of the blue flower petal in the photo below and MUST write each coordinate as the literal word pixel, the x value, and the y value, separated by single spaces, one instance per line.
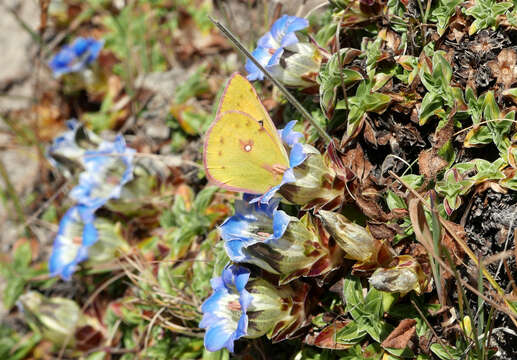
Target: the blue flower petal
pixel 275 58
pixel 241 276
pixel 290 137
pixel 217 337
pixel 283 29
pixel 263 56
pixel 267 41
pixel 107 170
pixel 234 250
pixel 75 235
pixel 270 46
pixel 241 229
pixel 212 303
pixel 297 156
pixel 75 57
pixel 280 222
pixel 64 146
pixel 218 317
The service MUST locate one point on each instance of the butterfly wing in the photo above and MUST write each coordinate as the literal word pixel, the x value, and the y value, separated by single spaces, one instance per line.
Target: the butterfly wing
pixel 241 155
pixel 240 95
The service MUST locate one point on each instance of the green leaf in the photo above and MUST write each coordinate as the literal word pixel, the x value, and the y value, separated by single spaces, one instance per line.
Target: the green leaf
pixel 432 104
pixel 490 107
pixel 350 334
pixel 442 71
pixel 401 353
pixel 478 136
pixel 511 93
pixel 413 180
pixel 373 302
pixel 355 116
pixel 204 198
pixel 13 290
pixel 376 102
pixel 442 13
pixel 196 84
pixel 394 201
pixel 353 293
pixel 331 76
pixel 22 256
pixel 443 352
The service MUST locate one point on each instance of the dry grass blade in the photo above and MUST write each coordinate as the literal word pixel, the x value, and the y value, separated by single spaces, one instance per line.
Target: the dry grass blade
pixel 424 235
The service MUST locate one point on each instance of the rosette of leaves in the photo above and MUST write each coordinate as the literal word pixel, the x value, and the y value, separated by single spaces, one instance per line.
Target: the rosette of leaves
pixel 332 75
pixel 486 13
pixel 441 97
pixel 364 101
pixel 442 13
pixel 498 124
pixel 188 218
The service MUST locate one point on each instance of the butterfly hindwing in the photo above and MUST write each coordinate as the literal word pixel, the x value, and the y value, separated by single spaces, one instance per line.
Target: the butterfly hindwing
pixel 241 154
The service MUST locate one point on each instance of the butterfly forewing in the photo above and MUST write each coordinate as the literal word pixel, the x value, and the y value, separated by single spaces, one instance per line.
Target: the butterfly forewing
pixel 240 95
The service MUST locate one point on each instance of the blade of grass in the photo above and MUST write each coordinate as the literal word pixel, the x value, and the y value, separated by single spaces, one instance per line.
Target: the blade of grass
pixel 437 236
pixel 480 311
pixel 461 293
pixel 278 84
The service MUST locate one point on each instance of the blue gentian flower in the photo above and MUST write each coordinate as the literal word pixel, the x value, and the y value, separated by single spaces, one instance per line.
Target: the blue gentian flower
pixel 107 169
pixel 75 235
pixel 271 46
pixel 75 57
pixel 224 312
pixel 251 224
pixel 270 239
pixel 297 156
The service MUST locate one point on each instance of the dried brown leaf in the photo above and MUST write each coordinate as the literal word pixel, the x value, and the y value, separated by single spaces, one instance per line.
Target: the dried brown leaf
pixel 401 335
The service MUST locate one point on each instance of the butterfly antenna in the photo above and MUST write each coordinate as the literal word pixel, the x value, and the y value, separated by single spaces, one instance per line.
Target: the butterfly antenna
pixel 282 88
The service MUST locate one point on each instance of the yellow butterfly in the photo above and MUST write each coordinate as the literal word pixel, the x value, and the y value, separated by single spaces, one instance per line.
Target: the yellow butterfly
pixel 242 150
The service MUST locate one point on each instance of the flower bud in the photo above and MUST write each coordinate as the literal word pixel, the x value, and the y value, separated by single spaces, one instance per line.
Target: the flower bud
pixel 298 65
pixel 138 192
pixel 61 321
pixel 407 275
pixel 280 309
pixel 354 239
pixel 313 184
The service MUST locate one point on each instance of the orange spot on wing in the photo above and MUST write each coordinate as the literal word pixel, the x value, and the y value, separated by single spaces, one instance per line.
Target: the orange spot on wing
pixel 246 146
